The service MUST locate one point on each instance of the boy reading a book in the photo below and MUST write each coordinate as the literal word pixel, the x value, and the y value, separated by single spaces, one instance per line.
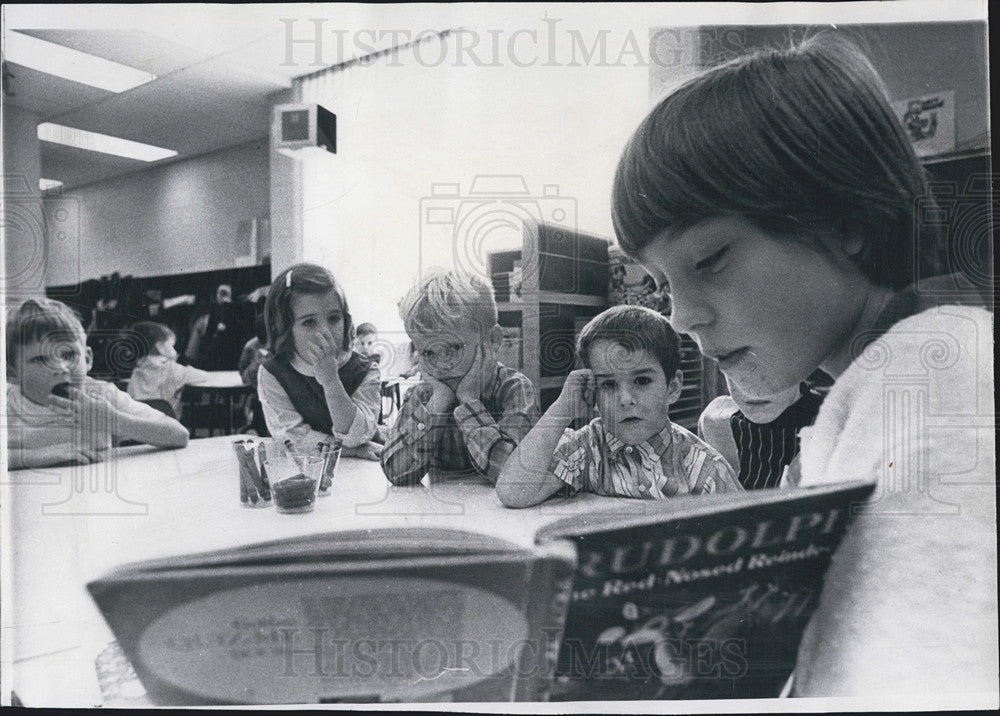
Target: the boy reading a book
pixel 55 412
pixel 470 410
pixel 631 449
pixel 782 199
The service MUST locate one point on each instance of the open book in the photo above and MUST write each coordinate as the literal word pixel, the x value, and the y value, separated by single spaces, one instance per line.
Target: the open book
pixel 698 597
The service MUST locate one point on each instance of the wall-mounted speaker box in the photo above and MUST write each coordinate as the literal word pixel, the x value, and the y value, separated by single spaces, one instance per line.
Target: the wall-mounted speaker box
pixel 304 129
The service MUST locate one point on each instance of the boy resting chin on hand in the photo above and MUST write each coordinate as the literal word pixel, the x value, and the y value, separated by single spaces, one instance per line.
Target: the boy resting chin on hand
pixel 631 449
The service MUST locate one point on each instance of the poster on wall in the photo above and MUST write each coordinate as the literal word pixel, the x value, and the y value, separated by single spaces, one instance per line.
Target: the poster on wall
pixel 929 122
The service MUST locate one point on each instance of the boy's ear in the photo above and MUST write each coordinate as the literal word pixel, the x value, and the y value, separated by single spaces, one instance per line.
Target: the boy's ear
pixel 853 245
pixel 674 387
pixel 88 357
pixel 495 338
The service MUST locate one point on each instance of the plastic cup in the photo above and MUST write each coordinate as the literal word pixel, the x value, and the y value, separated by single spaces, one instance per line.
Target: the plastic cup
pixel 254 488
pixel 329 451
pixel 330 468
pixel 294 481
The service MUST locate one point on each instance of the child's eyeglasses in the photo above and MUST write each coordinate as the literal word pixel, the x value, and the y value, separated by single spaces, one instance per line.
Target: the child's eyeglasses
pixel 443 353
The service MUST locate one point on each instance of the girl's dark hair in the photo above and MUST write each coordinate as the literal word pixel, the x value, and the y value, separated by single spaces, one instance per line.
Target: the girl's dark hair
pixel 634 328
pixel 795 140
pixel 278 316
pixel 149 333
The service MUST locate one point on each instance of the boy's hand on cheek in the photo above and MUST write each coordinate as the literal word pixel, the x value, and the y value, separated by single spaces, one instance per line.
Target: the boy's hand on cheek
pixel 439 397
pixel 473 382
pixel 579 393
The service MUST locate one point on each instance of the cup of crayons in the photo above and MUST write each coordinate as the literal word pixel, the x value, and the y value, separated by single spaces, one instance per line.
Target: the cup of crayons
pixel 295 479
pixel 328 451
pixel 255 487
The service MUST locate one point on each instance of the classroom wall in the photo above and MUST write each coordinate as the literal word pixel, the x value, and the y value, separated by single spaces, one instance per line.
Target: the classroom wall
pixel 24 234
pixel 913 59
pixel 916 60
pixel 415 135
pixel 555 131
pixel 285 181
pixel 177 218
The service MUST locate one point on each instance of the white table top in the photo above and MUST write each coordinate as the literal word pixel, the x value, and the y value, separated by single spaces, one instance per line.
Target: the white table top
pixel 73 524
pixel 221 379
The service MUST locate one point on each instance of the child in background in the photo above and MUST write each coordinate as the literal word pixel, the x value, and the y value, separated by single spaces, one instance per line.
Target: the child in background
pixel 313 385
pixel 780 197
pixel 470 411
pixel 365 341
pixel 254 353
pixel 759 436
pixel 157 374
pixel 55 412
pixel 631 449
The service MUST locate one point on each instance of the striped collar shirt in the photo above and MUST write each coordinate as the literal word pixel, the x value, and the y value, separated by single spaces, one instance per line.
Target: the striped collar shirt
pixel 672 462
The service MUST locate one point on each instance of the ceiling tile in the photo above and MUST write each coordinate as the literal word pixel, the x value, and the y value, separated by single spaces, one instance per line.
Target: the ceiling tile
pixel 191 111
pixel 48 95
pixel 74 167
pixel 133 48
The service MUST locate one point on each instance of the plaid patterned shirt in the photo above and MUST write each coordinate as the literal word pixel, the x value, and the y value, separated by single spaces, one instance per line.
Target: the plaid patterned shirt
pixel 672 462
pixel 463 439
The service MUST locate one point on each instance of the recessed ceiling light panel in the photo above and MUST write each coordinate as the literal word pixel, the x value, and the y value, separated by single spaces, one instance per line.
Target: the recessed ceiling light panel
pixel 82 139
pixel 71 64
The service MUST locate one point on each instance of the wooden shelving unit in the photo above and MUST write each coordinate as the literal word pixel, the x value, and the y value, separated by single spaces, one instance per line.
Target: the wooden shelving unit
pixel 565 283
pixel 564 278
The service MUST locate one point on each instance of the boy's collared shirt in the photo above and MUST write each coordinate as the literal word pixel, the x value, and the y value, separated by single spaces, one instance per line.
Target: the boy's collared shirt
pixel 463 439
pixel 672 462
pixel 157 377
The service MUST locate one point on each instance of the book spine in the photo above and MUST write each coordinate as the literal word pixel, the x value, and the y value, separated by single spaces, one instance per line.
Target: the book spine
pixel 549 586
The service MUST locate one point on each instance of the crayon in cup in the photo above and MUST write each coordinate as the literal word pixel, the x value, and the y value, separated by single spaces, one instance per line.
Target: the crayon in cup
pixel 254 489
pixel 329 450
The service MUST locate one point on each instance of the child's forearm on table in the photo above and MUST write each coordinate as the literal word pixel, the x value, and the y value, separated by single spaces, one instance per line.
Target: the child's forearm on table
pixel 525 479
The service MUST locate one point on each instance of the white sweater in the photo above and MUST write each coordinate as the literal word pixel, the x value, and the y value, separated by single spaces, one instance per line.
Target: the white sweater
pixel 909 605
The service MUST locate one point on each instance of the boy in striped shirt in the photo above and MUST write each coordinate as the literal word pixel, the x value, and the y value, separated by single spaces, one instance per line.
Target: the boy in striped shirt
pixel 631 449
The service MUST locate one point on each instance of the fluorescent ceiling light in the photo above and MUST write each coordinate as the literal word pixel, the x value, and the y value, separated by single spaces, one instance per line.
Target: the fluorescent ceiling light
pixel 46 184
pixel 82 139
pixel 70 64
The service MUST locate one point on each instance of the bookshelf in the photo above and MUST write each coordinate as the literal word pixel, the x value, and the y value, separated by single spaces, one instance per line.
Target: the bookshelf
pixel 558 278
pixel 550 288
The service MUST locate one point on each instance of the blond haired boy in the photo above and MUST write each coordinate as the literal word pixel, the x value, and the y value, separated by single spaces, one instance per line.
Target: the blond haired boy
pixel 470 410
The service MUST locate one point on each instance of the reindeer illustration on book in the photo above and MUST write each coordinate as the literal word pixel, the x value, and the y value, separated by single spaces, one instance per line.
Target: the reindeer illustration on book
pixel 671 650
pixel 710 605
